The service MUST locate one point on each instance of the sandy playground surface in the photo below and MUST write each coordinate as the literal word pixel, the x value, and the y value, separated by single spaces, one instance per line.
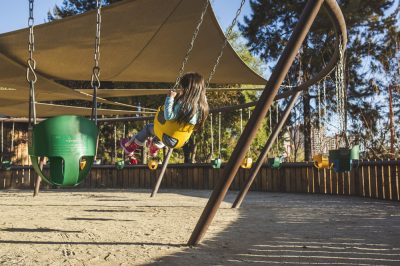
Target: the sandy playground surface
pixel 107 227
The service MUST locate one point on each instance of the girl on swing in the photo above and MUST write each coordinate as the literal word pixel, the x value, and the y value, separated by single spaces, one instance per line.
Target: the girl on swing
pixel 183 112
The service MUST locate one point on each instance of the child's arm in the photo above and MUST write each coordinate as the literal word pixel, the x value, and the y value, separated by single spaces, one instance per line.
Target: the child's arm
pixel 169 107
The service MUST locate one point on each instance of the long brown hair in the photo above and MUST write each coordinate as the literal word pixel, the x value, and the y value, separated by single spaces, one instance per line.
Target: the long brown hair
pixel 192 99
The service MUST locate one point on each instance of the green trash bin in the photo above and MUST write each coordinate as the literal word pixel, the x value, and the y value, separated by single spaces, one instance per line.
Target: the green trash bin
pixel 70 143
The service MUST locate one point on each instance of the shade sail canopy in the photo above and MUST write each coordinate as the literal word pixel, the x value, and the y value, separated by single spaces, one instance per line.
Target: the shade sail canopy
pixel 14 87
pixel 141 41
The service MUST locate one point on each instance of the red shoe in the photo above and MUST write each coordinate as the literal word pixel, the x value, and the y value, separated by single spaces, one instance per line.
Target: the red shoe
pixel 128 149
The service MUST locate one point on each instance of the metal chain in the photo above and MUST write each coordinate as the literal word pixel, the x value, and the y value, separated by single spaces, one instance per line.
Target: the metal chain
pixel 219 135
pixel 31 76
pixel 340 91
pixel 241 120
pixel 319 118
pixel 277 121
pixel 228 34
pixel 194 37
pixel 95 80
pixel 2 141
pixel 212 135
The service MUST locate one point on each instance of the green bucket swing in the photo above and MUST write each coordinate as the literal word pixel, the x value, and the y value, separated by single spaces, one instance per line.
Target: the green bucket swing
pixel 70 143
pixel 275 162
pixel 6 165
pixel 344 159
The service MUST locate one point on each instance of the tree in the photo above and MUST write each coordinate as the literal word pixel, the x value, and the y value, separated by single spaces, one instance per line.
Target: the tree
pixel 269 26
pixel 74 7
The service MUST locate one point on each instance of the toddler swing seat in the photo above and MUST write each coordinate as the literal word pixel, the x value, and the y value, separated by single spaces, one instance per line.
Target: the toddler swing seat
pixel 70 144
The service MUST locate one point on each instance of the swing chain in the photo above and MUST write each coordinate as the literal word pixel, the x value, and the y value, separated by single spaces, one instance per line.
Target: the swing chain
pixel 31 76
pixel 95 79
pixel 30 73
pixel 219 135
pixel 212 135
pixel 340 91
pixel 228 34
pixel 194 37
pixel 241 120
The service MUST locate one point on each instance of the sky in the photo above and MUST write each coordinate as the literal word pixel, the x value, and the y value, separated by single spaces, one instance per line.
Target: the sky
pixel 14 14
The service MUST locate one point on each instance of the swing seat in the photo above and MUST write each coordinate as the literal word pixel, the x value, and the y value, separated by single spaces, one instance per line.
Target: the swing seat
pixel 173 134
pixel 216 163
pixel 70 143
pixel 247 163
pixel 342 159
pixel 321 161
pixel 152 164
pixel 6 165
pixel 275 162
pixel 119 164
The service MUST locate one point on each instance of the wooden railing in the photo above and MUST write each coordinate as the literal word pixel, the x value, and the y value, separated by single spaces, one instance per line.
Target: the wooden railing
pixel 373 179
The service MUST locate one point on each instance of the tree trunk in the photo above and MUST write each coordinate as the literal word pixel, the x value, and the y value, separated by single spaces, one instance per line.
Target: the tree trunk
pixel 307 126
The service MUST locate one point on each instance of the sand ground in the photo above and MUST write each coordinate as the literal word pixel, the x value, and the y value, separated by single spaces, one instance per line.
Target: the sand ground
pixel 114 227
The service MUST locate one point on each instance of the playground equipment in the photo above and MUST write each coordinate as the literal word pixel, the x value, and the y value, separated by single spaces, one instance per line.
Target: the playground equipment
pixel 119 164
pixel 152 164
pixel 181 71
pixel 276 161
pixel 342 158
pixel 247 162
pixel 215 162
pixel 68 141
pixel 265 101
pixel 321 160
pixel 5 164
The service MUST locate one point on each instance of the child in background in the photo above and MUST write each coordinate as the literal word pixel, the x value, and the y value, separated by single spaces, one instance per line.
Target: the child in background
pixel 187 106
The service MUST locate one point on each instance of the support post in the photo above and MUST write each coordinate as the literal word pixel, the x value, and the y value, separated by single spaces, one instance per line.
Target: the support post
pixel 263 155
pixel 266 99
pixel 161 176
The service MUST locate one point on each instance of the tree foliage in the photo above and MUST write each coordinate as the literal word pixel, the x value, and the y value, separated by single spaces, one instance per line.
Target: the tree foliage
pixel 372 31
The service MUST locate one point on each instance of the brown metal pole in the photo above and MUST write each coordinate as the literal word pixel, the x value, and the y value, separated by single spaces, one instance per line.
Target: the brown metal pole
pixel 161 176
pixel 264 152
pixel 282 67
pixel 391 122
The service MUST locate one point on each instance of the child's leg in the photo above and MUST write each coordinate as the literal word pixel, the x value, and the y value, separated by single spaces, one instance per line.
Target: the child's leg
pixel 140 138
pixel 129 146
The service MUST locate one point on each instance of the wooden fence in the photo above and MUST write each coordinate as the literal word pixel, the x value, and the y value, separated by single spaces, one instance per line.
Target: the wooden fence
pixel 373 179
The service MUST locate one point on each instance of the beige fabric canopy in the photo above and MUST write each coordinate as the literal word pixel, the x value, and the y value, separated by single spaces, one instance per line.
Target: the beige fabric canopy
pixel 141 41
pixel 14 87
